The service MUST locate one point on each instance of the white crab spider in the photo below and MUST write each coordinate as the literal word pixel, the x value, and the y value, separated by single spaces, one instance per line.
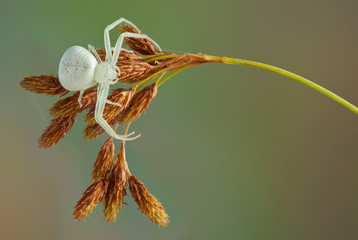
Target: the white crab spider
pixel 80 69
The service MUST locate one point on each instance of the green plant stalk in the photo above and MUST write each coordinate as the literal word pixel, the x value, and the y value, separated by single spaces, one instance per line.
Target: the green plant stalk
pixel 143 82
pixel 172 74
pixel 268 67
pixel 286 73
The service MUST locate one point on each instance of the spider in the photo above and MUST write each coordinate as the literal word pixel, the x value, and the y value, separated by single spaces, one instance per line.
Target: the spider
pixel 81 68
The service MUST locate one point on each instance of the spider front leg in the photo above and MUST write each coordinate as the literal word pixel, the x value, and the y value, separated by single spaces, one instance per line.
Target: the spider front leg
pixel 107 42
pixel 102 94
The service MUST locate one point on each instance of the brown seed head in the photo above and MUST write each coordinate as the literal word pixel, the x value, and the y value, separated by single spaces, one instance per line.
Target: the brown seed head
pixel 140 45
pixel 138 104
pixel 44 84
pixel 117 187
pixel 91 197
pixel 133 71
pixel 104 160
pixel 182 60
pixel 147 203
pixel 56 130
pixel 123 56
pixel 70 105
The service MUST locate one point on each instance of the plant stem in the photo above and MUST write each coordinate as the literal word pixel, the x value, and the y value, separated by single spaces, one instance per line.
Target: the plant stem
pixel 126 169
pixel 286 73
pixel 172 74
pixel 143 82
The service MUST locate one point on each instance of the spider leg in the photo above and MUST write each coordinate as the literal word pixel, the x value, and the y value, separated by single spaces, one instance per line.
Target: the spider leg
pixel 119 43
pixel 80 97
pixel 94 52
pixel 102 94
pixel 107 42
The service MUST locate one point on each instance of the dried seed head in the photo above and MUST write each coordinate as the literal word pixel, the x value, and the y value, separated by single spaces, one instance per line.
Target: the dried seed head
pixel 140 45
pixel 110 114
pixel 91 197
pixel 70 105
pixel 147 203
pixel 133 71
pixel 117 187
pixel 182 60
pixel 104 160
pixel 44 84
pixel 138 104
pixel 123 56
pixel 56 130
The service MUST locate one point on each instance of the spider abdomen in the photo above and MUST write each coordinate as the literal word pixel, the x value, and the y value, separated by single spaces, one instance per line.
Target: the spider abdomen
pixel 76 71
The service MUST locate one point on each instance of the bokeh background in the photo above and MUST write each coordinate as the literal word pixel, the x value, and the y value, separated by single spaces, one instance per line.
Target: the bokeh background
pixel 232 152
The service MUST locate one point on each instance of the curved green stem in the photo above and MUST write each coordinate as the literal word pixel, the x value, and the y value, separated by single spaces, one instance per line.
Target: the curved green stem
pixel 286 73
pixel 172 74
pixel 143 82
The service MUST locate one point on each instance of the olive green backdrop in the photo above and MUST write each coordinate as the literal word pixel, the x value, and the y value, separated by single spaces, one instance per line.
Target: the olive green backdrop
pixel 232 152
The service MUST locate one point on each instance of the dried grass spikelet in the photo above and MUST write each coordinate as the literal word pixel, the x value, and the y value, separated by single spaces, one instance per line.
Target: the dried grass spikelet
pixel 65 112
pixel 70 105
pixel 133 71
pixel 180 61
pixel 57 129
pixel 123 55
pixel 117 187
pixel 140 45
pixel 147 203
pixel 110 114
pixel 138 104
pixel 91 197
pixel 44 84
pixel 104 160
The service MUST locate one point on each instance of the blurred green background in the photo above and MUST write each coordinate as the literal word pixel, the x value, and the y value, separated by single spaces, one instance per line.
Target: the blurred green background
pixel 232 152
